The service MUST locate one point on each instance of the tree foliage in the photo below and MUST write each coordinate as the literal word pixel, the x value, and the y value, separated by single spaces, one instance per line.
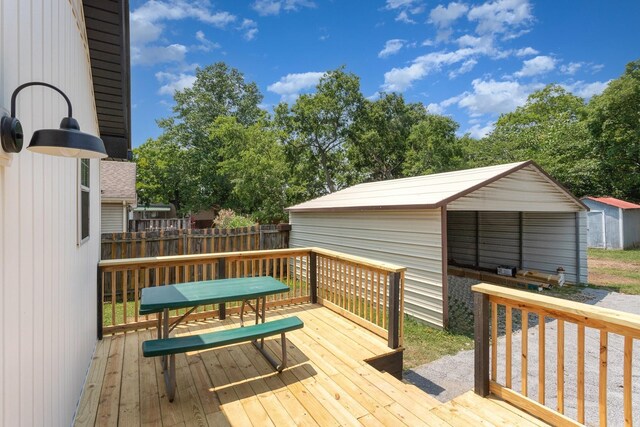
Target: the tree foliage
pixel 219 149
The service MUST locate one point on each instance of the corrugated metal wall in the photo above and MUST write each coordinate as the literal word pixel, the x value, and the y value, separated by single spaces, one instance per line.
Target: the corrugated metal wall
pixel 47 281
pixel 631 228
pixel 548 240
pixel 112 221
pixel 408 238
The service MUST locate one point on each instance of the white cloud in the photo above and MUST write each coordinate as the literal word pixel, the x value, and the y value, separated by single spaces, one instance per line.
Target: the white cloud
pixel 405 9
pixel 273 7
pixel 395 4
pixel 150 55
pixel 500 16
pixel 434 108
pixel 404 17
pixel 444 16
pixel 250 29
pixel 571 68
pixel 205 45
pixel 464 68
pixel 399 79
pixel 477 131
pixel 526 51
pixel 290 86
pixel 538 65
pixel 494 97
pixel 586 90
pixel 174 82
pixel 147 27
pixel 391 47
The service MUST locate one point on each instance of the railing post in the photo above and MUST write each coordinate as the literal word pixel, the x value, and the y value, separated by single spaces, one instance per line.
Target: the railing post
pixel 222 308
pixel 481 341
pixel 394 310
pixel 99 299
pixel 313 277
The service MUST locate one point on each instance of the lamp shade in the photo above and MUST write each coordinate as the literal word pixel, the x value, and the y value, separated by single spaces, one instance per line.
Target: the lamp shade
pixel 67 141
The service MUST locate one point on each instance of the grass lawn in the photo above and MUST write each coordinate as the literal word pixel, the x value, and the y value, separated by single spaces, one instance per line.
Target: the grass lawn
pixel 615 270
pixel 425 344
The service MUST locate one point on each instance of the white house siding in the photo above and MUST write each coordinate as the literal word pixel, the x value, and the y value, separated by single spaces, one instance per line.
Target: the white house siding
pixel 408 238
pixel 112 215
pixel 47 282
pixel 548 240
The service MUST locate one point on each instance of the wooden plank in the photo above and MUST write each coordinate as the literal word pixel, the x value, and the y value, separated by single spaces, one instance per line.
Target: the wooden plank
pixel 130 395
pixel 88 407
pixel 541 359
pixel 508 342
pixel 560 366
pixel 149 402
pixel 524 374
pixel 531 406
pixel 580 373
pixel 497 404
pixel 494 341
pixel 481 340
pixel 602 395
pixel 627 384
pixel 593 316
pixel 110 396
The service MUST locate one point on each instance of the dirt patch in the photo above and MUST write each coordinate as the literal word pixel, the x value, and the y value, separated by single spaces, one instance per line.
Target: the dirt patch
pixel 604 279
pixel 595 264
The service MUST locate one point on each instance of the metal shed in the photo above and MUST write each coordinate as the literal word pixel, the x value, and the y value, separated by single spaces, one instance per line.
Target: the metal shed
pixel 613 223
pixel 507 214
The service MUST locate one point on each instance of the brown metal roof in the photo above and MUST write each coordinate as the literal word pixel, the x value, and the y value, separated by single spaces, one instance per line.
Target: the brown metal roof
pixel 612 201
pixel 107 23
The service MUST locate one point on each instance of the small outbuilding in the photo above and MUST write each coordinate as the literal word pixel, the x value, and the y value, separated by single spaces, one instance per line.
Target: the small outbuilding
pixel 513 214
pixel 612 223
pixel 117 194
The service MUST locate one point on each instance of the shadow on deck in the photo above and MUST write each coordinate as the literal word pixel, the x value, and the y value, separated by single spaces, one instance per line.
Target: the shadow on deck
pixel 327 383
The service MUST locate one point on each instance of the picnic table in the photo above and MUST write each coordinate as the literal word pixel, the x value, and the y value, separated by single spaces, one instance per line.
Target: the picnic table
pixel 190 296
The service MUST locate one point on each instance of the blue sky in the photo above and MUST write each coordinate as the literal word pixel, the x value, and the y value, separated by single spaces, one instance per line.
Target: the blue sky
pixel 469 60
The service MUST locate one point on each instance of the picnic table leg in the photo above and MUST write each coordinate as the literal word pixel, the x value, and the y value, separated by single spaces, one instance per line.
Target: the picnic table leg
pixel 165 333
pixel 278 366
pixel 170 378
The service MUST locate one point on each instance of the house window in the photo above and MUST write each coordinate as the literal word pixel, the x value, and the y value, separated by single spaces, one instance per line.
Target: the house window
pixel 85 180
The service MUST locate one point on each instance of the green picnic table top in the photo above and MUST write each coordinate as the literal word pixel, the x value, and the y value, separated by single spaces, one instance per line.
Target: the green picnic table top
pixel 192 294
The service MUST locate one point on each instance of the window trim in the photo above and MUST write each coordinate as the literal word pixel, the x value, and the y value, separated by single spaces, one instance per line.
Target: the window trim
pixel 83 189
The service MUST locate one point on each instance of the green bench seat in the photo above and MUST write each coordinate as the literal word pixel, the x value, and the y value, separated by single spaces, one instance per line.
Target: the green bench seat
pixel 167 348
pixel 163 347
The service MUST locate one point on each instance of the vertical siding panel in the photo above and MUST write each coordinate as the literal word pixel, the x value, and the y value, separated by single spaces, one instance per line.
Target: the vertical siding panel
pixel 46 280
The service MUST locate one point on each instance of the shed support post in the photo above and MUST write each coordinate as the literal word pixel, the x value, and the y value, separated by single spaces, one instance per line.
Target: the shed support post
pixel 394 310
pixel 578 266
pixel 313 277
pixel 521 238
pixel 481 337
pixel 222 308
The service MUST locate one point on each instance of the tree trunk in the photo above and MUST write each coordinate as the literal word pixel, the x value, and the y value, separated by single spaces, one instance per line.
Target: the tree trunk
pixel 327 174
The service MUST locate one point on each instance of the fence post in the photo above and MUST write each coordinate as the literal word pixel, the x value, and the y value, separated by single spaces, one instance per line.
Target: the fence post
pixel 99 299
pixel 313 277
pixel 481 338
pixel 394 310
pixel 222 308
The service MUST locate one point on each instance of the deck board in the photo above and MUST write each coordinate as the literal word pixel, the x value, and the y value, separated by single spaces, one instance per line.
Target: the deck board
pixel 327 383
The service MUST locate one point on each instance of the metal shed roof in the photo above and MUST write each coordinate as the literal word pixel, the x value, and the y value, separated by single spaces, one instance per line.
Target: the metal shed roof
pixel 612 201
pixel 471 189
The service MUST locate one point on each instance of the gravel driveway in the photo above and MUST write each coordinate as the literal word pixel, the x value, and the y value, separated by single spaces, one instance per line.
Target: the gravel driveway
pixel 451 376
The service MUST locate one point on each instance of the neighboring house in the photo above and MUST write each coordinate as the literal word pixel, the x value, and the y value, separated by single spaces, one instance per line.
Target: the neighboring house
pixel 512 214
pixel 203 219
pixel 613 223
pixel 49 206
pixel 117 194
pixel 155 211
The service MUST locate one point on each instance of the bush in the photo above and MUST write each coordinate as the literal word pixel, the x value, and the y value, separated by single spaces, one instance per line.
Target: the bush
pixel 227 218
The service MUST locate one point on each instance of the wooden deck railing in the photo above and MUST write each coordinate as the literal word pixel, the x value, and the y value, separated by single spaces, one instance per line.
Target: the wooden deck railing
pixel 490 299
pixel 365 291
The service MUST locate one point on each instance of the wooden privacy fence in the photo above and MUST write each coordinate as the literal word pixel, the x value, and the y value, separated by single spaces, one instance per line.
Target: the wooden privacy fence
pixel 496 376
pixel 368 292
pixel 159 224
pixel 193 241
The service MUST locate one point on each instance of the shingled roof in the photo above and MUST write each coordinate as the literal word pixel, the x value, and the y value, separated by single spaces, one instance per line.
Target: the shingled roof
pixel 118 181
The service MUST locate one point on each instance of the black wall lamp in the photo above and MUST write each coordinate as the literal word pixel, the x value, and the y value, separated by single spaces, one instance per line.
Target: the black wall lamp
pixel 67 141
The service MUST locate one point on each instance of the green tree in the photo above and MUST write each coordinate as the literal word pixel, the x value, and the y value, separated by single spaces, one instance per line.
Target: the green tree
pixel 254 163
pixel 160 173
pixel 378 140
pixel 551 130
pixel 315 130
pixel 218 91
pixel 614 122
pixel 433 147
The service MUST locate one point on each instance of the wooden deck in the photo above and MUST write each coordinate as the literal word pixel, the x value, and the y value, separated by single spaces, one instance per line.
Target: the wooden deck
pixel 327 383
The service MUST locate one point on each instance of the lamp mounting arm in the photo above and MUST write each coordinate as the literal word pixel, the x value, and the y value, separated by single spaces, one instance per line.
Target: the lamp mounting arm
pixel 22 86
